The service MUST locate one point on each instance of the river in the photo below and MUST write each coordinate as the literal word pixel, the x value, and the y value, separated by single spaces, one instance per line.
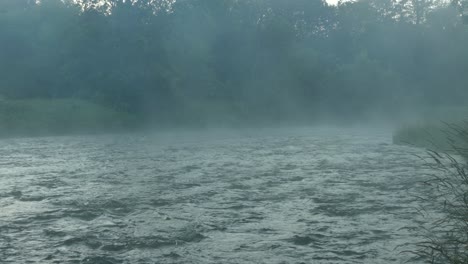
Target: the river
pixel 271 196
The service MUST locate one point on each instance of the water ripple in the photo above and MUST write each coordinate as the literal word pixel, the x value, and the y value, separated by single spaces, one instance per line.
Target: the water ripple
pixel 306 197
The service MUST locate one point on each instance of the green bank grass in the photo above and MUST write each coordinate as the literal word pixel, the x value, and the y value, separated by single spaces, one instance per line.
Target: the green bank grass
pixel 40 117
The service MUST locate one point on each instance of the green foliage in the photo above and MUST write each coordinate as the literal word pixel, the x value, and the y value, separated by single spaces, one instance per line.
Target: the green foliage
pixel 34 117
pixel 260 59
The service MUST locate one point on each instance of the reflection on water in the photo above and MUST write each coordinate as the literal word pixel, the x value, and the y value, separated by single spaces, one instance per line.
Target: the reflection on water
pixel 286 197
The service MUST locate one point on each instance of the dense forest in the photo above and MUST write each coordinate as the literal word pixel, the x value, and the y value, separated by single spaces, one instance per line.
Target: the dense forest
pixel 236 62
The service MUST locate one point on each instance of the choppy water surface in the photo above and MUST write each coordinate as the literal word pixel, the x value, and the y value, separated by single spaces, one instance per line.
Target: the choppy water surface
pixel 308 196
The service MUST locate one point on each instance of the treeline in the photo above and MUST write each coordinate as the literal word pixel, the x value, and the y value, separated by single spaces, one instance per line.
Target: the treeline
pixel 232 62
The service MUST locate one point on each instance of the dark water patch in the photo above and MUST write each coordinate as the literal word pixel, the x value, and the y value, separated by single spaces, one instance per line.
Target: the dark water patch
pixel 296 179
pixel 100 260
pixel 337 210
pixel 187 185
pixel 379 232
pixel 288 167
pixel 73 240
pixel 191 237
pixel 369 240
pixel 190 234
pixel 317 241
pixel 302 240
pixel 368 183
pixel 84 214
pixel 386 208
pixel 243 248
pixel 351 235
pixel 32 198
pixel 267 230
pixel 54 233
pixel 350 253
pixel 90 241
pixel 114 247
pixel 337 199
pixel 269 197
pixel 322 229
pixel 191 168
pixel 93 243
pixel 161 202
pixel 93 209
pixel 335 259
pixel 239 186
pixel 172 255
pixel 16 194
pixel 45 216
pixel 51 183
pixel 117 207
pixel 252 219
pixel 238 207
pixel 231 206
pixel 149 242
pixel 216 227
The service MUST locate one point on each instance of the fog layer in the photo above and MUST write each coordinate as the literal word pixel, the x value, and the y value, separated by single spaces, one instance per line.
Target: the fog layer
pixel 236 63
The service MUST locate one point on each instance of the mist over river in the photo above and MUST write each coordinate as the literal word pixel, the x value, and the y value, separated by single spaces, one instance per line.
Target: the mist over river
pixel 258 196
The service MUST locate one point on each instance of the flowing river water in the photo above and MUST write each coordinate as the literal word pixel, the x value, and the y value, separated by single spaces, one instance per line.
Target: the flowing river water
pixel 279 196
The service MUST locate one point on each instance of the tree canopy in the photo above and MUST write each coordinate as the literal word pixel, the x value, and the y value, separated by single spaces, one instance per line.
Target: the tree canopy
pixel 236 61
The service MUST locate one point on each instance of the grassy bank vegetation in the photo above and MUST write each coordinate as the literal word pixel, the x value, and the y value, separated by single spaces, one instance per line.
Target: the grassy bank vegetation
pixel 39 117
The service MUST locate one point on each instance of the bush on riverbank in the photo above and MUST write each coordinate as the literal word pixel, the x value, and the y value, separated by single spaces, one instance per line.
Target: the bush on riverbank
pixel 38 117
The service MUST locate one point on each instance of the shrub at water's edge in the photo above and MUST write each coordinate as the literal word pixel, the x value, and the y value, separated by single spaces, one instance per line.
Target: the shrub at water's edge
pixel 39 117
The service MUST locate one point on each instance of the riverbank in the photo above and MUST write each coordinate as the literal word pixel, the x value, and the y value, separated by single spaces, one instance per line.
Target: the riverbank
pixel 42 117
pixel 438 130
